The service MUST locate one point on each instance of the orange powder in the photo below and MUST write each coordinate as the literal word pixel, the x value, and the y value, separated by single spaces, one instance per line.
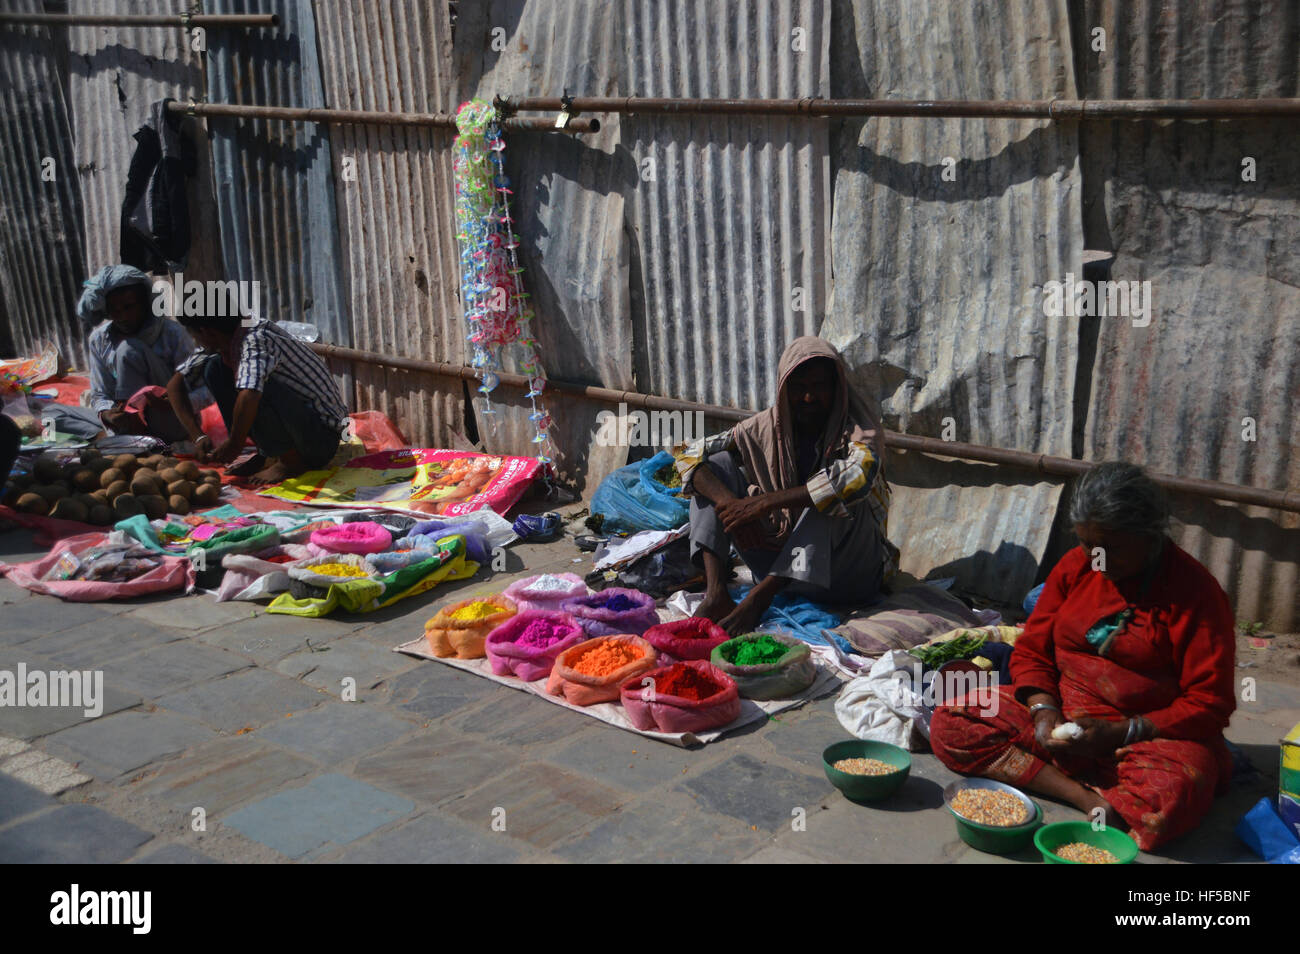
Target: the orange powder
pixel 605 657
pixel 480 609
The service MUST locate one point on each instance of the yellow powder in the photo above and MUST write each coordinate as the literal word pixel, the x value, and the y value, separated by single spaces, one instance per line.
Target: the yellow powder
pixel 337 569
pixel 476 610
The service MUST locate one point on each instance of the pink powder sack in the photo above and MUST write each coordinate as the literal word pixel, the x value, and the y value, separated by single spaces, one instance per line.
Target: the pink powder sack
pixel 527 644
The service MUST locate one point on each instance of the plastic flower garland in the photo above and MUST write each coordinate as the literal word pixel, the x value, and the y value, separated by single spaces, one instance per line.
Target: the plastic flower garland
pixel 491 280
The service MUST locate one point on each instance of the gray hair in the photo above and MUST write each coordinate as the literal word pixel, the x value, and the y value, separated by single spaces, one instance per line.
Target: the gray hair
pixel 1120 496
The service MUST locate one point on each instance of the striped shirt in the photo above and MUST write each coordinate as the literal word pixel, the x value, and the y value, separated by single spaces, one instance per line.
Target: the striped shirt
pixel 266 349
pixel 844 482
pixel 171 345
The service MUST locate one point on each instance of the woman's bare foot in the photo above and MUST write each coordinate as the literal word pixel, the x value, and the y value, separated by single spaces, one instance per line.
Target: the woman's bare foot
pixel 1090 806
pixel 246 464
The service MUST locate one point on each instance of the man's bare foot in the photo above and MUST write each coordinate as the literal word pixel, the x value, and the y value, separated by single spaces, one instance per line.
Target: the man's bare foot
pixel 744 617
pixel 716 606
pixel 246 464
pixel 281 468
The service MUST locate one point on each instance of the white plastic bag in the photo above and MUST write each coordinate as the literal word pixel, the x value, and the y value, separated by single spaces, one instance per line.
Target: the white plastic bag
pixel 887 704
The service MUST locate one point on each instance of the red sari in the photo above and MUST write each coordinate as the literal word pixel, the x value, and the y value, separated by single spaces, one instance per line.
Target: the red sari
pixel 1173 664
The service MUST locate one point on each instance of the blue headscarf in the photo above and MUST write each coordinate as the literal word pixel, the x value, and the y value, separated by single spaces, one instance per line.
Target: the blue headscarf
pixel 93 306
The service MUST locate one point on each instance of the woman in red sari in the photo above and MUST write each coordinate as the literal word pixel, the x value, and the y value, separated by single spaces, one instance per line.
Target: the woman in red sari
pixel 1133 641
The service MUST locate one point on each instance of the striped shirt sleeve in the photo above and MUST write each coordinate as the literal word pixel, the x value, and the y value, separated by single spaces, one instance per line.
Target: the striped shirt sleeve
pixel 259 356
pixel 691 455
pixel 844 481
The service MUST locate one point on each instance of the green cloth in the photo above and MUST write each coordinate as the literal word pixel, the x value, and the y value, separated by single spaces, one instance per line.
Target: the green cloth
pixel 139 528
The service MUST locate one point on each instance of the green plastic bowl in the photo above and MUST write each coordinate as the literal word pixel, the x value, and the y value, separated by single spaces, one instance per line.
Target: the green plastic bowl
pixel 866 788
pixel 998 839
pixel 1050 837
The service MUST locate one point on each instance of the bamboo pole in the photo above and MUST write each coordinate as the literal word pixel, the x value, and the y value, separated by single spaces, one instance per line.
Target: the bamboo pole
pixel 1039 463
pixel 206 20
pixel 1054 109
pixel 370 117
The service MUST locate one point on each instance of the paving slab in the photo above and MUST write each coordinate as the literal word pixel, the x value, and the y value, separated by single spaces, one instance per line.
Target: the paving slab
pixel 244 700
pixel 624 760
pixel 802 735
pixel 223 774
pixel 431 839
pixel 25 620
pixel 337 731
pixel 32 722
pixel 264 643
pixel 280 626
pixel 672 831
pixel 433 768
pixel 758 793
pixel 174 855
pixel 193 612
pixel 17 799
pixel 43 771
pixel 157 672
pixel 71 834
pixel 89 645
pixel 432 690
pixel 121 743
pixel 329 811
pixel 537 803
pixel 521 720
pixel 346 657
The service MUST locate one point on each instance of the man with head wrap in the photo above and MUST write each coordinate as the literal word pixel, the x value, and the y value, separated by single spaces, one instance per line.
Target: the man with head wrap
pixel 133 354
pixel 799 489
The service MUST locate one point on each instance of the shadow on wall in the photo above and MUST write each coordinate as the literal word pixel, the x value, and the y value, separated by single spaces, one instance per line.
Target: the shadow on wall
pixel 1002 565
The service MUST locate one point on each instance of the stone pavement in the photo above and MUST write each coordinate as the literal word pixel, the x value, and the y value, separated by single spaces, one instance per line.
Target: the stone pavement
pixel 225 738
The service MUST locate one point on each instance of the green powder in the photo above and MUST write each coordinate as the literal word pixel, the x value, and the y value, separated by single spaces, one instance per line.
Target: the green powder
pixel 756 652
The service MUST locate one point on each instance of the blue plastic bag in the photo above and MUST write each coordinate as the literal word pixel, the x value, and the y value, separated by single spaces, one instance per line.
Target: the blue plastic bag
pixel 630 499
pixel 1267 835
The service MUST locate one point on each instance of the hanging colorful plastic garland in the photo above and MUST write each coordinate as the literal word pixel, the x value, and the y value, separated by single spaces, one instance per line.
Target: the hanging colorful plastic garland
pixel 491 278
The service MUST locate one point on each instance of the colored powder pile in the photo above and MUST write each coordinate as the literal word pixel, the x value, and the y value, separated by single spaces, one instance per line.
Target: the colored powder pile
pixel 549 583
pixel 619 603
pixel 758 652
pixel 606 657
pixel 280 558
pixel 541 633
pixel 337 569
pixel 686 682
pixel 479 609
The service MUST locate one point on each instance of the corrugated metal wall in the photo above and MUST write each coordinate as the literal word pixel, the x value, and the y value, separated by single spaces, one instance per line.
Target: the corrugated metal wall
pixel 114 75
pixel 935 299
pixel 393 189
pixel 1169 200
pixel 42 223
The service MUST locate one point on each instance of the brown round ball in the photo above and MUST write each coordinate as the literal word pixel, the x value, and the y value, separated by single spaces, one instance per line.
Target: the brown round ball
pixel 111 476
pixel 181 488
pixel 188 469
pixel 90 455
pixel 33 503
pixel 47 469
pixel 178 504
pixel 69 509
pixel 143 486
pixel 86 500
pixel 100 515
pixel 100 495
pixel 117 488
pixel 154 505
pixel 170 462
pixel 206 495
pixel 52 492
pixel 153 461
pixel 125 462
pixel 127 506
pixel 85 479
pixel 169 475
pixel 146 471
pixel 98 465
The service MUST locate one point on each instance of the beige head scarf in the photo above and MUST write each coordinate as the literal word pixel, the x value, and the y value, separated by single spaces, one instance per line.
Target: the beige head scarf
pixel 766 441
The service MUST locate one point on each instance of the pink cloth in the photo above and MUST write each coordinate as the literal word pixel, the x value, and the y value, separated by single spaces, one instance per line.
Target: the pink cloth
pixel 175 573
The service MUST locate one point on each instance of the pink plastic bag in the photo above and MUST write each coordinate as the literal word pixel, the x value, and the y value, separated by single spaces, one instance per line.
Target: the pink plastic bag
pixel 358 537
pixel 534 658
pixel 613 611
pixel 175 573
pixel 545 592
pixel 653 711
pixel 682 639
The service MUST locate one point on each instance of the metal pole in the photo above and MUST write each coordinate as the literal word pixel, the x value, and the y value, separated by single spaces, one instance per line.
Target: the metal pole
pixel 1039 463
pixel 369 117
pixel 205 20
pixel 1055 109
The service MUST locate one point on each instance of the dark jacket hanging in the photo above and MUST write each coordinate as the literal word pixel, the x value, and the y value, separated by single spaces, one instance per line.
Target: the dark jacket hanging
pixel 155 212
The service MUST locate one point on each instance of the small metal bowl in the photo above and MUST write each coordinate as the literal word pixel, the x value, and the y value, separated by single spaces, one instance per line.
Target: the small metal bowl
pixel 961 784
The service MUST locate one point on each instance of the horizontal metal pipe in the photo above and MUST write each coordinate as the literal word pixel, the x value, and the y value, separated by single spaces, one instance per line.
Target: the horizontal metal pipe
pixel 205 20
pixel 369 117
pixel 1057 109
pixel 1039 463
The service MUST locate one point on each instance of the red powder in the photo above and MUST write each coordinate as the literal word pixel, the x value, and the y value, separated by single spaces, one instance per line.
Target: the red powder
pixel 281 558
pixel 540 633
pixel 686 682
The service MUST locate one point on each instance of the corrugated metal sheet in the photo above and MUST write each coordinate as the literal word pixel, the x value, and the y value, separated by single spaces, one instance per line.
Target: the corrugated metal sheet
pixel 1169 200
pixel 936 282
pixel 114 75
pixel 393 189
pixel 275 194
pixel 41 222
